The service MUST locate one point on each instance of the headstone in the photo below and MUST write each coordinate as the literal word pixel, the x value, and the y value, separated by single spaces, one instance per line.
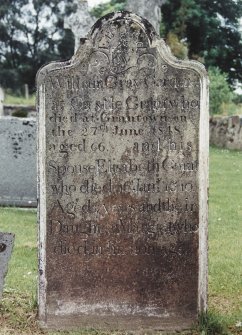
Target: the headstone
pixel 6 247
pixel 79 22
pixel 123 170
pixel 1 101
pixel 18 175
pixel 150 10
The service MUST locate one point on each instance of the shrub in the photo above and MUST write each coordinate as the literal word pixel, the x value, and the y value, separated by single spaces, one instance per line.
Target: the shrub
pixel 20 113
pixel 220 92
pixel 178 48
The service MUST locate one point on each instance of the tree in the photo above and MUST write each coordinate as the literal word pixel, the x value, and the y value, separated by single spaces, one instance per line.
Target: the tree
pixel 220 93
pixel 210 28
pixel 178 48
pixel 31 34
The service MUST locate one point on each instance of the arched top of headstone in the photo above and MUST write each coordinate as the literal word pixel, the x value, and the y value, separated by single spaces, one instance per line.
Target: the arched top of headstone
pixel 113 22
pixel 120 42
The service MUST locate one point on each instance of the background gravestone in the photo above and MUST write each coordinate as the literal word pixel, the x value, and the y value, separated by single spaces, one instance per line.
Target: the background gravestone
pixel 79 22
pixel 123 170
pixel 226 131
pixel 150 10
pixel 6 247
pixel 18 175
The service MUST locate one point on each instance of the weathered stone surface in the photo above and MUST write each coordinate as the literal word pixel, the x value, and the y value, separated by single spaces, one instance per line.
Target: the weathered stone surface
pixel 79 22
pixel 1 101
pixel 6 247
pixel 123 166
pixel 18 181
pixel 150 10
pixel 226 131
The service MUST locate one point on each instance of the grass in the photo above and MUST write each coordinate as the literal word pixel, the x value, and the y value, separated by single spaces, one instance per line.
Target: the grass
pixel 19 100
pixel 225 234
pixel 23 265
pixel 212 323
pixel 18 307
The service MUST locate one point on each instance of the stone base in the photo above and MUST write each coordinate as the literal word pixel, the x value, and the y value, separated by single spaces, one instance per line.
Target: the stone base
pixel 135 324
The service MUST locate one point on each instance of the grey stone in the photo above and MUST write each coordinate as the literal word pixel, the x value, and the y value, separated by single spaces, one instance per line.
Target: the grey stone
pixel 18 177
pixel 123 177
pixel 79 22
pixel 226 131
pixel 1 101
pixel 6 247
pixel 26 91
pixel 150 10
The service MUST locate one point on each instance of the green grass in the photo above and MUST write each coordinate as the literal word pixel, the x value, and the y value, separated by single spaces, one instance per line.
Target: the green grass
pixel 211 324
pixel 19 100
pixel 225 233
pixel 18 307
pixel 23 265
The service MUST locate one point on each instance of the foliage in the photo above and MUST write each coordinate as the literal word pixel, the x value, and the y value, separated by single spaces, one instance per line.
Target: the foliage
pixel 237 98
pixel 211 31
pixel 109 7
pixel 178 48
pixel 20 113
pixel 204 30
pixel 220 92
pixel 231 108
pixel 31 34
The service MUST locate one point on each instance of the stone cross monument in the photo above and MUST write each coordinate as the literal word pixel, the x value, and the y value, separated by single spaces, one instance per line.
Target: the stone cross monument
pixel 79 22
pixel 150 10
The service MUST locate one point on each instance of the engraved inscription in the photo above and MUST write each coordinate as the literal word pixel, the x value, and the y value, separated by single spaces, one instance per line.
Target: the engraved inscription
pixel 125 127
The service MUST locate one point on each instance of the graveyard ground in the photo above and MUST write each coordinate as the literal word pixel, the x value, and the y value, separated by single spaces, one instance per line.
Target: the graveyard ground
pixel 18 306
